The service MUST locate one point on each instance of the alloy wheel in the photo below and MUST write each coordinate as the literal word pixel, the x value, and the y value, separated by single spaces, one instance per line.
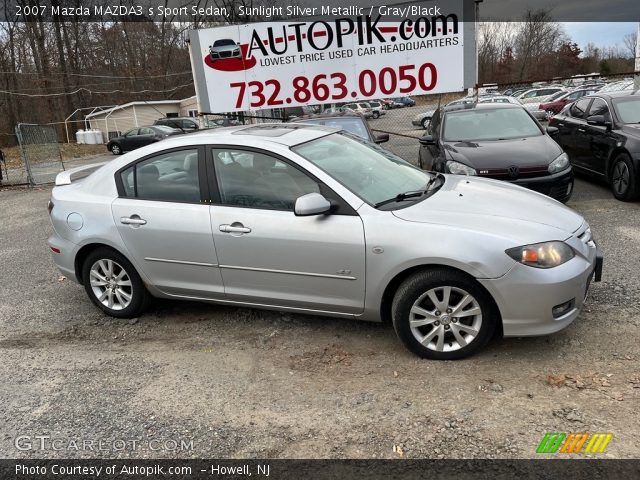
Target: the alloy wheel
pixel 115 149
pixel 445 319
pixel 111 284
pixel 620 178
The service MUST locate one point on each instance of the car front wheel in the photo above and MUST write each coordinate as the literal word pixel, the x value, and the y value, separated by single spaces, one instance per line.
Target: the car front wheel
pixel 113 284
pixel 425 122
pixel 376 114
pixel 624 179
pixel 115 149
pixel 443 314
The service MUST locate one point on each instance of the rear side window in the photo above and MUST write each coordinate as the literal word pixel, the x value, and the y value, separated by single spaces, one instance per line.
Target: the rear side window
pixel 579 108
pixel 168 177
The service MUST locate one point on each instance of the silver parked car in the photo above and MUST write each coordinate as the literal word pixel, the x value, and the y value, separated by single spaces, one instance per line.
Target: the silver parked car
pixel 314 220
pixel 225 48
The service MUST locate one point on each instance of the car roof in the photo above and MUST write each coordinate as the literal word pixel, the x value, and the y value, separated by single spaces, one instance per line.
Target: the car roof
pixel 480 106
pixel 328 115
pixel 287 134
pixel 615 94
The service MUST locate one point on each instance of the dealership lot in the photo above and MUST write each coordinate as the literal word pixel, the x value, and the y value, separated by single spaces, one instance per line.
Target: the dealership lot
pixel 237 382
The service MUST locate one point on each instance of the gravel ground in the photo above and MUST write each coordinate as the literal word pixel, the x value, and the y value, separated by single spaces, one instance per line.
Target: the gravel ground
pixel 241 383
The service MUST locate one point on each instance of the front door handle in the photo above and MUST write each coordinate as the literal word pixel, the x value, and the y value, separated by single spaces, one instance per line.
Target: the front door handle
pixel 133 220
pixel 235 227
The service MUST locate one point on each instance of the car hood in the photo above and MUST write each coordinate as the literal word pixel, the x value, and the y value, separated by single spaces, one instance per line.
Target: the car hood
pixel 631 129
pixel 523 152
pixel 496 208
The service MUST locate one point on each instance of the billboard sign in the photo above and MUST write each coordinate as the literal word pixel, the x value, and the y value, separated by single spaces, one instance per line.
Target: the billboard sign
pixel 385 53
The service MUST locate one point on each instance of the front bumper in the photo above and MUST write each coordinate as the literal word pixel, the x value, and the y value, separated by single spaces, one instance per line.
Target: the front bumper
pixel 558 186
pixel 526 296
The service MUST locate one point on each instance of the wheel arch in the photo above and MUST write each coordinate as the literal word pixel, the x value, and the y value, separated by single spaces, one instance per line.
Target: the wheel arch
pixel 396 281
pixel 612 156
pixel 84 252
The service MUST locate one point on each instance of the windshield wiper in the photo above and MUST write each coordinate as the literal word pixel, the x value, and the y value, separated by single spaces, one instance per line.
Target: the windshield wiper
pixel 410 194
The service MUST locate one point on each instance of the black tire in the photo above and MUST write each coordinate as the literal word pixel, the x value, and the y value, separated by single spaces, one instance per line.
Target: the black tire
pixel 116 149
pixel 376 114
pixel 425 122
pixel 416 286
pixel 140 297
pixel 624 179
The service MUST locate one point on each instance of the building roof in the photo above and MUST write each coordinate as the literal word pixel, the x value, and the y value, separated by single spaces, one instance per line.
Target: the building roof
pixel 131 104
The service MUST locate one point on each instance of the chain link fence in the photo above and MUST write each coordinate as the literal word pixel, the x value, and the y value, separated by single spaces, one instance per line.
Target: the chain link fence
pixel 40 158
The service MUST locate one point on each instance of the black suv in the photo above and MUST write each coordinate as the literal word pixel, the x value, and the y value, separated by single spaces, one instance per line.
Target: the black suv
pixel 186 124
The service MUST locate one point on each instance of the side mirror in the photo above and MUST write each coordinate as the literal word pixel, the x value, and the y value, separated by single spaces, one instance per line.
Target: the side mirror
pixel 427 140
pixel 598 120
pixel 553 131
pixel 311 204
pixel 383 137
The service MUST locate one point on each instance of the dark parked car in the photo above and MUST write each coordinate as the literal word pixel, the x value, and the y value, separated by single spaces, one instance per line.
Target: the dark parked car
pixel 557 102
pixel 601 135
pixel 500 141
pixel 139 137
pixel 186 124
pixel 348 121
pixel 404 101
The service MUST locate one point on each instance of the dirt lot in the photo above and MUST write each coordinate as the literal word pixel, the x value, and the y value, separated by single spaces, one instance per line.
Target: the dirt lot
pixel 246 383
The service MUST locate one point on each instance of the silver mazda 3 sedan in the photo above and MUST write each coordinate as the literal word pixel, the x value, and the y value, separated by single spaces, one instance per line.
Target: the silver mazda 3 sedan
pixel 314 220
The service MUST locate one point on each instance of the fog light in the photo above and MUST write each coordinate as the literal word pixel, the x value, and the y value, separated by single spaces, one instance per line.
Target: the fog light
pixel 560 310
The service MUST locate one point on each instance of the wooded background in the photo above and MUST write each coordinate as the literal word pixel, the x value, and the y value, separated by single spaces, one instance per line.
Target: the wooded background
pixel 49 68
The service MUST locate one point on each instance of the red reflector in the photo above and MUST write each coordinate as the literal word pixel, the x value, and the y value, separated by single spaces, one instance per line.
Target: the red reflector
pixel 55 250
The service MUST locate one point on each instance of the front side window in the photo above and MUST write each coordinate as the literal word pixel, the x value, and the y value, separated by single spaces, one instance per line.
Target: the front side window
pixel 370 172
pixel 489 124
pixel 169 177
pixel 256 180
pixel 599 107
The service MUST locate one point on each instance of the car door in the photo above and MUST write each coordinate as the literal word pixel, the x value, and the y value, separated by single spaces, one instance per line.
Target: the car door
pixel 145 136
pixel 568 125
pixel 270 256
pixel 581 143
pixel 129 139
pixel 163 219
pixel 601 140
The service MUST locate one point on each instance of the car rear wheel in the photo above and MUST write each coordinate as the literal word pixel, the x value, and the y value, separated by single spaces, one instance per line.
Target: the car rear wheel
pixel 624 179
pixel 443 314
pixel 425 122
pixel 115 149
pixel 113 285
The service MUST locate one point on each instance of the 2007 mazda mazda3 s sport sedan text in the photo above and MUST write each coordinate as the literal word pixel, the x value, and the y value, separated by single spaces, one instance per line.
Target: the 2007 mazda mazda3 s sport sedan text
pixel 314 220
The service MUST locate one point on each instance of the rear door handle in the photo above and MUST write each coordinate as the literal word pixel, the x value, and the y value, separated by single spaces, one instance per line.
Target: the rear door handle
pixel 235 227
pixel 133 220
pixel 561 124
pixel 581 130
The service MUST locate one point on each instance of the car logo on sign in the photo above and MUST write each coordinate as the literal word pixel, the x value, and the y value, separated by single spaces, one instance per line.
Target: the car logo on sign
pixel 513 171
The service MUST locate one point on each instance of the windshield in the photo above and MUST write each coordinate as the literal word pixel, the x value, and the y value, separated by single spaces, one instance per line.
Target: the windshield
pixel 557 95
pixel 628 109
pixel 489 124
pixel 163 128
pixel 373 174
pixel 350 124
pixel 223 43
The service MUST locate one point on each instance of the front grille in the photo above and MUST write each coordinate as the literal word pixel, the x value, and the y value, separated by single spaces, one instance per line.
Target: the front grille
pixel 225 54
pixel 524 172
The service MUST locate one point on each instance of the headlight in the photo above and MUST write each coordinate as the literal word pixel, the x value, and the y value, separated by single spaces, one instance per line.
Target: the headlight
pixel 458 168
pixel 559 163
pixel 542 255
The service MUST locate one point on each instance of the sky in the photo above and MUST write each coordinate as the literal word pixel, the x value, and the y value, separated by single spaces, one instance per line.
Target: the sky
pixel 605 34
